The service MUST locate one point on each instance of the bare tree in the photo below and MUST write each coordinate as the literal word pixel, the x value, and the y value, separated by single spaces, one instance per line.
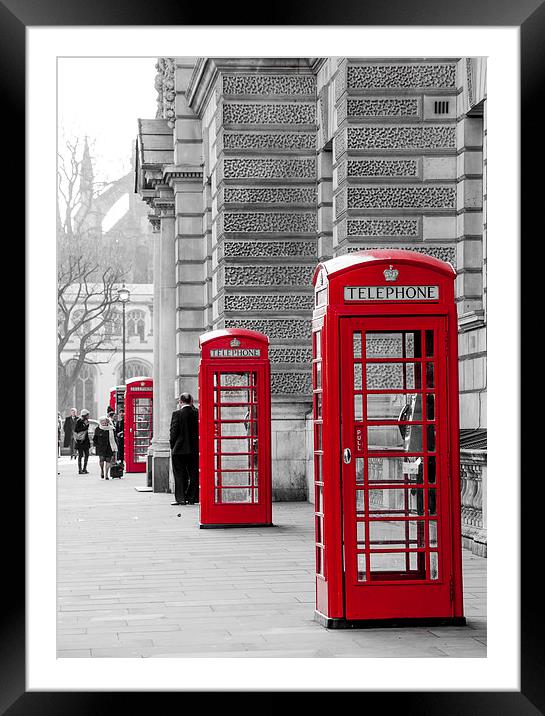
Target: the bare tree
pixel 87 273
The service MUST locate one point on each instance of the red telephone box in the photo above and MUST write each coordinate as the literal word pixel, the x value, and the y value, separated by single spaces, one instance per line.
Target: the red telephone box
pixel 386 441
pixel 117 398
pixel 234 429
pixel 138 422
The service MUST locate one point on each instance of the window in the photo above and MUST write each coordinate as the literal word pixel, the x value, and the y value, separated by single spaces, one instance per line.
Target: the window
pixel 83 392
pixel 133 368
pixel 136 324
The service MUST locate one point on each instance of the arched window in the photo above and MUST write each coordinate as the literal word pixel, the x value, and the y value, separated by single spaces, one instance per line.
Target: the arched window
pixel 77 315
pixel 83 392
pixel 133 368
pixel 114 326
pixel 136 324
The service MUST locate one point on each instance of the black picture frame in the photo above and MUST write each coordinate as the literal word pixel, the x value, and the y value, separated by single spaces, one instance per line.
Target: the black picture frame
pixel 529 15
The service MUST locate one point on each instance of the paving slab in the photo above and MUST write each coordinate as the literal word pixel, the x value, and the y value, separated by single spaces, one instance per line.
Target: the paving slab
pixel 137 580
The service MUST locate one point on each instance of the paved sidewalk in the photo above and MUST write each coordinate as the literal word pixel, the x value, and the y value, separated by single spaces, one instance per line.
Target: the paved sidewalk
pixel 135 579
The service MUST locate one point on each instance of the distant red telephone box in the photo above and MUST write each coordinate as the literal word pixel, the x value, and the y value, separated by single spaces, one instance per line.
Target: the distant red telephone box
pixel 117 398
pixel 138 422
pixel 386 441
pixel 234 429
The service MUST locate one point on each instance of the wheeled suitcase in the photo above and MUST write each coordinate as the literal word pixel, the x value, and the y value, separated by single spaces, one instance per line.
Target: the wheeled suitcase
pixel 116 469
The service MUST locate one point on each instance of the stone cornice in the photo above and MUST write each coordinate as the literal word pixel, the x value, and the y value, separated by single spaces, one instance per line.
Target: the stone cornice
pixel 172 174
pixel 206 71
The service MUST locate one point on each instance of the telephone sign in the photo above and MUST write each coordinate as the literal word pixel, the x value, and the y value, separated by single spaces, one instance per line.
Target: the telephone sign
pixel 386 466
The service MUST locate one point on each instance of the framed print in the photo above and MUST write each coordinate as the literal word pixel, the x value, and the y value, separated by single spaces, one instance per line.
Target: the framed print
pixel 366 131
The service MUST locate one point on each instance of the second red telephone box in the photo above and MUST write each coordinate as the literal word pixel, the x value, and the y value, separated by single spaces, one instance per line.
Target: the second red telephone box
pixel 138 422
pixel 234 429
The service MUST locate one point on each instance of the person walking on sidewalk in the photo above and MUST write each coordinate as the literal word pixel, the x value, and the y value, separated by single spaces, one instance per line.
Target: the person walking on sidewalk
pixel 120 435
pixel 69 426
pixel 105 445
pixel 184 446
pixel 81 439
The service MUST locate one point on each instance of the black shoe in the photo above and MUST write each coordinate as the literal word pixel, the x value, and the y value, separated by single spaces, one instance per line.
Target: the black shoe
pixel 86 472
pixel 80 472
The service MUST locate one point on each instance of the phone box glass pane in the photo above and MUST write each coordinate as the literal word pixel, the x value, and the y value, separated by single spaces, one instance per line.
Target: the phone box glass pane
pixel 390 376
pixel 396 535
pixel 392 406
pixel 396 502
pixel 233 478
pixel 392 345
pixel 393 562
pixel 362 576
pixel 236 495
pixel 385 437
pixel 395 469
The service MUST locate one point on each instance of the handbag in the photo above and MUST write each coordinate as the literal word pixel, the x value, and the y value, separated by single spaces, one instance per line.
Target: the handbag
pixel 80 437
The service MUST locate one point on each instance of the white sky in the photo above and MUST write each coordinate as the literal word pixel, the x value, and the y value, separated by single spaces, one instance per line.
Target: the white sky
pixel 102 97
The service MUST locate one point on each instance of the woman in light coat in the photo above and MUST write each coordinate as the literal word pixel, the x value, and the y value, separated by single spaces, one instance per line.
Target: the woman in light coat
pixel 105 445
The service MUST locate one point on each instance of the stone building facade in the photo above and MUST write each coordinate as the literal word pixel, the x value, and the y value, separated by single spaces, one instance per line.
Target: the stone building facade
pixel 257 168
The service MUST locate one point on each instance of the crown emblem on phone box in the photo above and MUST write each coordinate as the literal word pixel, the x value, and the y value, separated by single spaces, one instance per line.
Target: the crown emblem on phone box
pixel 391 274
pixel 234 343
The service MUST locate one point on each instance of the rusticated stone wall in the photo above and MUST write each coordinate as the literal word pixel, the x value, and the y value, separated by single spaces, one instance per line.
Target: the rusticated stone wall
pixel 259 124
pixel 394 170
pixel 264 210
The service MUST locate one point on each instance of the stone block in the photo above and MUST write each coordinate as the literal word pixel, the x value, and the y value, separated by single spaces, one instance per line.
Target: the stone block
pixel 191 295
pixel 469 254
pixel 187 340
pixel 289 447
pixel 192 225
pixel 188 365
pixel 479 372
pixel 482 407
pixel 183 75
pixel 469 410
pixel 190 272
pixel 469 224
pixel 470 194
pixel 160 474
pixel 463 344
pixel 439 168
pixel 190 249
pixel 182 108
pixel 469 133
pixel 470 162
pixel 469 284
pixel 289 480
pixel 438 227
pixel 188 202
pixel 325 219
pixel 191 318
pixel 325 192
pixel 188 154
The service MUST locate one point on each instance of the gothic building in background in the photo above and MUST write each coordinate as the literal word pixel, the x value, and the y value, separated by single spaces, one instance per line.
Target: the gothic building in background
pixel 256 169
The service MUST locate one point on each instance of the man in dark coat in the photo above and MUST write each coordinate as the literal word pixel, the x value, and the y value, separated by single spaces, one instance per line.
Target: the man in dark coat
pixel 69 424
pixel 184 445
pixel 120 435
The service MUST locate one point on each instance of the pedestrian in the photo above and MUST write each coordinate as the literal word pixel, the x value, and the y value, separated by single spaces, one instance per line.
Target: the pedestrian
pixel 81 439
pixel 110 413
pixel 120 435
pixel 59 431
pixel 69 425
pixel 184 445
pixel 105 445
